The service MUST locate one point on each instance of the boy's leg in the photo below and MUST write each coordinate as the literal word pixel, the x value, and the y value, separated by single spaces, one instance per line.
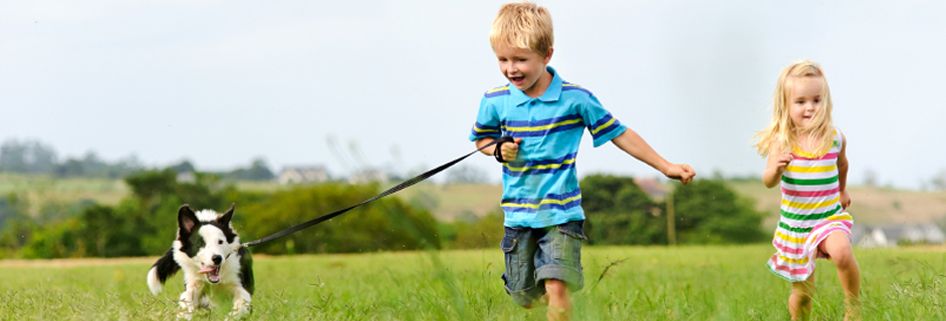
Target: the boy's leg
pixel 838 247
pixel 799 302
pixel 559 304
pixel 558 264
pixel 519 248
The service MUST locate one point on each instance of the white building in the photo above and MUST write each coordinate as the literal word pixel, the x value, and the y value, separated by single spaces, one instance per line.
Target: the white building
pixel 893 235
pixel 302 175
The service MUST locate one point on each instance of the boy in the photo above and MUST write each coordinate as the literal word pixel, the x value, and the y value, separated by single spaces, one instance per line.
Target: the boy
pixel 541 199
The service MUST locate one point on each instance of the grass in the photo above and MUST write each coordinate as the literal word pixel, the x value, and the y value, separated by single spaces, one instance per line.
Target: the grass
pixel 651 283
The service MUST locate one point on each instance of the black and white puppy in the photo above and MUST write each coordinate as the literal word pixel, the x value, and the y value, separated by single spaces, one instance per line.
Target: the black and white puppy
pixel 208 250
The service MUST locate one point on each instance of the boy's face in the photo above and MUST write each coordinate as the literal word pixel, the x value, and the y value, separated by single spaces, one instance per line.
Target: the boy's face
pixel 523 67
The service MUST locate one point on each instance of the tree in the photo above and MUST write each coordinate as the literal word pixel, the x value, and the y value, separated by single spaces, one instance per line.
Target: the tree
pixel 485 232
pixel 184 166
pixel 619 212
pixel 27 157
pixel 258 171
pixel 16 227
pixel 386 224
pixel 708 211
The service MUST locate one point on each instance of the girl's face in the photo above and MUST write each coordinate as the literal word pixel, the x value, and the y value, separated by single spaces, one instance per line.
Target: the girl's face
pixel 805 100
pixel 523 68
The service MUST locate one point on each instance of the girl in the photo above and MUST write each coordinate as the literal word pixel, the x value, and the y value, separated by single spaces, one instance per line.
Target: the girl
pixel 807 155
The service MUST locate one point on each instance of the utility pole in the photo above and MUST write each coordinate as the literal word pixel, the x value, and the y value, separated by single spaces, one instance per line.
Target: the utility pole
pixel 671 221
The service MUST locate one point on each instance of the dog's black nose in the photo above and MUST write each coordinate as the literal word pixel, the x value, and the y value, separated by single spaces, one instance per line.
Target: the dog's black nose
pixel 217 259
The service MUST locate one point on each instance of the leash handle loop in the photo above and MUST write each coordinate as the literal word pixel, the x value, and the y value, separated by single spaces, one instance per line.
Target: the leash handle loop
pixel 498 151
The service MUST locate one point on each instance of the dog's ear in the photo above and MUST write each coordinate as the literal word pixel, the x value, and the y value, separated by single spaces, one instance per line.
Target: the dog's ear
pixel 186 219
pixel 225 218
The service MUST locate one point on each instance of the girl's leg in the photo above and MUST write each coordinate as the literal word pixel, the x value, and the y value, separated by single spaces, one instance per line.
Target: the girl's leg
pixel 838 247
pixel 559 304
pixel 799 302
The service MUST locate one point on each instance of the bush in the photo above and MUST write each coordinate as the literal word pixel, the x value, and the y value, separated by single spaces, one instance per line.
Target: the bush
pixel 708 211
pixel 386 224
pixel 485 232
pixel 619 212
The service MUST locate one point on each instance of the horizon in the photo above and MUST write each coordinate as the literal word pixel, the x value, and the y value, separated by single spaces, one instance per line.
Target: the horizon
pixel 379 85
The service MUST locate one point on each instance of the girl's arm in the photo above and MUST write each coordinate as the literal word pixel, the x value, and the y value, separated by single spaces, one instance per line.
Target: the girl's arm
pixel 632 144
pixel 842 173
pixel 774 167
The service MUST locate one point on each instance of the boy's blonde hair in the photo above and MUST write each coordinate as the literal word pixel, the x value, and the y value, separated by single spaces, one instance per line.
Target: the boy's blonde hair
pixel 781 133
pixel 522 25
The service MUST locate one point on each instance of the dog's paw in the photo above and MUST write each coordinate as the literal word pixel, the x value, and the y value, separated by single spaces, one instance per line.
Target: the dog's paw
pixel 185 315
pixel 240 310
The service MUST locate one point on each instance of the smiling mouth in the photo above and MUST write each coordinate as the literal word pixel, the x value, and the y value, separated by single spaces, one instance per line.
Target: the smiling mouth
pixel 517 79
pixel 212 272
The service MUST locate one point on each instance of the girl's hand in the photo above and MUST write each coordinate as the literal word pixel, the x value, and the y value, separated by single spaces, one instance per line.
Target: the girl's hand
pixel 510 151
pixel 845 200
pixel 774 167
pixel 782 160
pixel 682 172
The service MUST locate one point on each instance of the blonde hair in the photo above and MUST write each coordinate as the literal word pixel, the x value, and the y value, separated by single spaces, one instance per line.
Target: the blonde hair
pixel 781 133
pixel 522 25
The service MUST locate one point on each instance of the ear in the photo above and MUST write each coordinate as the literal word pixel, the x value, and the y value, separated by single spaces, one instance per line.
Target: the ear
pixel 548 56
pixel 186 219
pixel 225 218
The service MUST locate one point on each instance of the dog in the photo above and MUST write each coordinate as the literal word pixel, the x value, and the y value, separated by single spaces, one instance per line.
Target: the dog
pixel 209 252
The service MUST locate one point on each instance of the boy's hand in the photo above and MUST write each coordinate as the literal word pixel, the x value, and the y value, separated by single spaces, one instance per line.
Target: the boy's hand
pixel 510 151
pixel 682 172
pixel 845 200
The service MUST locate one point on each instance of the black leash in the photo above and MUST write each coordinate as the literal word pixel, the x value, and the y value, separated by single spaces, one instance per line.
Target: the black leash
pixel 392 190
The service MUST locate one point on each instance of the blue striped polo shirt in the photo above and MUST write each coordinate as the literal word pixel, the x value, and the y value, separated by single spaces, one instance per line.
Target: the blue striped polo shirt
pixel 540 188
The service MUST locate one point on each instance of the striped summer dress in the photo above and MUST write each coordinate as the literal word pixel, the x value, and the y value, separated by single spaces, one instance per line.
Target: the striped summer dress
pixel 811 209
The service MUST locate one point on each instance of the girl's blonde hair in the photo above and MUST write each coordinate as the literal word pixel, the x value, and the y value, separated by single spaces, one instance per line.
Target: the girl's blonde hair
pixel 781 133
pixel 523 25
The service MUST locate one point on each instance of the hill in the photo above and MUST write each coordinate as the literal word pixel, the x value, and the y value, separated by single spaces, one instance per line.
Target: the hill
pixel 448 202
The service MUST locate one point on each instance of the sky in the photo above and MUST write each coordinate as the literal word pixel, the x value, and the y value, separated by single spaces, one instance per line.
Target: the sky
pixel 397 83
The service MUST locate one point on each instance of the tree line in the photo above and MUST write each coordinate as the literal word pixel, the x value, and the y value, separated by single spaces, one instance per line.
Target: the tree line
pixel 35 157
pixel 145 222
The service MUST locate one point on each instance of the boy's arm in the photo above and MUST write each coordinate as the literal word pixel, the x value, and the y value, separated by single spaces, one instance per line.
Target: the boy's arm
pixel 632 144
pixel 509 151
pixel 842 173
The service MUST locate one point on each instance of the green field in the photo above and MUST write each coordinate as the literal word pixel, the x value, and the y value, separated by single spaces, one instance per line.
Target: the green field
pixel 652 283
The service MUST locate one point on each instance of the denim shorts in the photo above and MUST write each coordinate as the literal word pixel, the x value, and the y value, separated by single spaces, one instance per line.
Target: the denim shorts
pixel 534 255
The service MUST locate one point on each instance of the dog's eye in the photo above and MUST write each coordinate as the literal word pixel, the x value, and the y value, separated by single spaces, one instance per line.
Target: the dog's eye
pixel 219 241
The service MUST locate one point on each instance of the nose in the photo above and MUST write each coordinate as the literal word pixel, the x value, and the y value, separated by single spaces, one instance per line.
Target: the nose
pixel 217 259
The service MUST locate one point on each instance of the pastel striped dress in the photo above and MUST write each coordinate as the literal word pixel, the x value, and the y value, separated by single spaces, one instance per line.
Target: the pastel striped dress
pixel 811 209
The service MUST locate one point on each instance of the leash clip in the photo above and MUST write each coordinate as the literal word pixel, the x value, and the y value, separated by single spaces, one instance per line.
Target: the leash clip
pixel 497 152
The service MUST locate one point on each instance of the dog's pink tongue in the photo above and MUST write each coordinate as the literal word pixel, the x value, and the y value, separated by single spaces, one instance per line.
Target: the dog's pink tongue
pixel 207 269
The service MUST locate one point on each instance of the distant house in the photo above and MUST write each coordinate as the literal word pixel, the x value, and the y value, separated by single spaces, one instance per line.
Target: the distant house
pixel 369 175
pixel 893 235
pixel 187 177
pixel 652 186
pixel 302 175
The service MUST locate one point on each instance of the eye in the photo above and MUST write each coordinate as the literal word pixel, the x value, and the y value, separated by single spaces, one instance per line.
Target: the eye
pixel 219 241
